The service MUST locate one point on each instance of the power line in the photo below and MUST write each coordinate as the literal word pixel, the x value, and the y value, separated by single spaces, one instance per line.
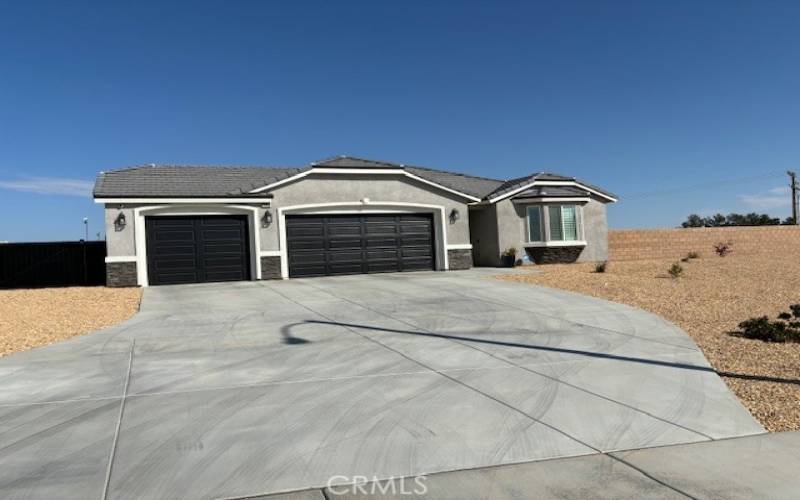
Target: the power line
pixel 704 185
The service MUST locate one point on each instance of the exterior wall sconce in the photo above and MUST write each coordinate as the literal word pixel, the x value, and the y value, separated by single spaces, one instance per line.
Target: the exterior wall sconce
pixel 454 215
pixel 119 222
pixel 266 220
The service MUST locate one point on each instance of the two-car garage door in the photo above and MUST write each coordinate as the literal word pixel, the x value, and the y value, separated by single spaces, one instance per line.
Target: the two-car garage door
pixel 321 245
pixel 197 249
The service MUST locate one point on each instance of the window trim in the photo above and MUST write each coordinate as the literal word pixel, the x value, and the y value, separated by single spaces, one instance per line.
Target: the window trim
pixel 542 229
pixel 544 225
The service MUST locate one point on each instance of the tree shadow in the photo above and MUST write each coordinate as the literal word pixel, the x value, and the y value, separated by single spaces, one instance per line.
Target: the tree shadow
pixel 562 350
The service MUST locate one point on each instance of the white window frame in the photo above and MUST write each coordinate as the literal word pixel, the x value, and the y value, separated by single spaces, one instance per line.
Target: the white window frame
pixel 542 229
pixel 544 222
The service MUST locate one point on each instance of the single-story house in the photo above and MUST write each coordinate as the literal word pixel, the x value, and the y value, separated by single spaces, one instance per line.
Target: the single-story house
pixel 187 224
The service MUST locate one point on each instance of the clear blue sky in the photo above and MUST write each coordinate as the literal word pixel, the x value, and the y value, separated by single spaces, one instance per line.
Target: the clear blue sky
pixel 639 97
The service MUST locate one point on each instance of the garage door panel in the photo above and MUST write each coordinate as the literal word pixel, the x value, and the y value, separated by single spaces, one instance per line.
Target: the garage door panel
pixel 343 268
pixel 347 244
pixel 212 235
pixel 343 231
pixel 196 249
pixel 175 236
pixel 373 242
pixel 176 264
pixel 304 244
pixel 417 252
pixel 345 256
pixel 383 267
pixel 343 244
pixel 414 228
pixel 387 253
pixel 175 250
pixel 381 229
pixel 304 230
pixel 223 249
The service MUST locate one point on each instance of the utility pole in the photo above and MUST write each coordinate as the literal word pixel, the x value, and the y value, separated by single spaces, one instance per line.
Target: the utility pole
pixel 793 177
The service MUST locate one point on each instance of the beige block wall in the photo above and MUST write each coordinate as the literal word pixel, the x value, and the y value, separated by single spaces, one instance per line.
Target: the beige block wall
pixel 640 244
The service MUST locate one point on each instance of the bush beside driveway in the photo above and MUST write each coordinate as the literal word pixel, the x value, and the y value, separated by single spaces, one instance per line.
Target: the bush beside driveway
pixel 708 301
pixel 37 317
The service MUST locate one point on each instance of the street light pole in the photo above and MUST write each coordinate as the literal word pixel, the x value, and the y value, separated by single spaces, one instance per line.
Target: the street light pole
pixel 793 177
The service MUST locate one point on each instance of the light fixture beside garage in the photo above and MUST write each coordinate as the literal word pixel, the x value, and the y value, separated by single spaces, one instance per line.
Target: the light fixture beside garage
pixel 454 215
pixel 266 220
pixel 119 222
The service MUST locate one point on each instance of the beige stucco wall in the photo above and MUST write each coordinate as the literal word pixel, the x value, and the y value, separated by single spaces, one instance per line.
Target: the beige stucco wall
pixel 325 188
pixel 311 190
pixel 119 243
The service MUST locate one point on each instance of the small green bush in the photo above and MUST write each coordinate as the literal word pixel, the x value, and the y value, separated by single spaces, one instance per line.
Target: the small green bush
pixel 685 259
pixel 675 270
pixel 601 267
pixel 773 331
pixel 693 255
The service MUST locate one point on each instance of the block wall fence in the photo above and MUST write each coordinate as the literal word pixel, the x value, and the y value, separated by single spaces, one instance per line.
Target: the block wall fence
pixel 640 244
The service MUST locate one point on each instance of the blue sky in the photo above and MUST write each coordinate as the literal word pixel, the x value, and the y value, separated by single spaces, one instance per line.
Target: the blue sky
pixel 643 98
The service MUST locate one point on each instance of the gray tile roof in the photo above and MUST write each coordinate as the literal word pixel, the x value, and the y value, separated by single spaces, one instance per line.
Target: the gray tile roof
pixel 519 182
pixel 176 181
pixel 552 191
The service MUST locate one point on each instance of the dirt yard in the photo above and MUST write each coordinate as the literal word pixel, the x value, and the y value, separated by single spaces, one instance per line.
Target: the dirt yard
pixel 37 317
pixel 708 301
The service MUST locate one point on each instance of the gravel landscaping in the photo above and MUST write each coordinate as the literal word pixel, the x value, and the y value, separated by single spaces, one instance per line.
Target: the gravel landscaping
pixel 708 301
pixel 37 317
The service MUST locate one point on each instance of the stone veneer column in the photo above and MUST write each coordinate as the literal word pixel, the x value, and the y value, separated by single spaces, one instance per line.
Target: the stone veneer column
pixel 460 258
pixel 271 267
pixel 121 274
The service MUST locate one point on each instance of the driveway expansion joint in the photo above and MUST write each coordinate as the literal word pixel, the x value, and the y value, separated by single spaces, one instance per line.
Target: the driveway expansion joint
pixel 113 451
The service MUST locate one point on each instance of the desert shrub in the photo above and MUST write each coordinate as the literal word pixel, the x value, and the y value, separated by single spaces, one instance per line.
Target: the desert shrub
pixel 781 330
pixel 723 248
pixel 601 267
pixel 675 270
pixel 685 259
pixel 693 255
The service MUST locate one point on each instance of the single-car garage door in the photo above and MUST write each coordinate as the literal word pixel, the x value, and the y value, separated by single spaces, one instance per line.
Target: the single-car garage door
pixel 354 244
pixel 197 249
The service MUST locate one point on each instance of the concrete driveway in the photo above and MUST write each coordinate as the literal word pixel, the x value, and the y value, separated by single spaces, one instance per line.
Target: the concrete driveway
pixel 227 390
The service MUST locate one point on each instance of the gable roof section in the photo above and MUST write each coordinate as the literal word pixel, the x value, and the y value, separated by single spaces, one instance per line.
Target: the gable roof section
pixel 178 181
pixel 468 184
pixel 552 192
pixel 514 186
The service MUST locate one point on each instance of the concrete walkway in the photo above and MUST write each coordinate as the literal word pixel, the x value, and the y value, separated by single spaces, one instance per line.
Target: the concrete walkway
pixel 229 390
pixel 746 468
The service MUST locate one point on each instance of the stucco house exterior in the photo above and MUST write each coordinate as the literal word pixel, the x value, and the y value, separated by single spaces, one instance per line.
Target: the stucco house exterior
pixel 344 215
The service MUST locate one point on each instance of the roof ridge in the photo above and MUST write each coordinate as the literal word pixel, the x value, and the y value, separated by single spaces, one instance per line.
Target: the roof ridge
pixel 358 158
pixel 184 165
pixel 429 169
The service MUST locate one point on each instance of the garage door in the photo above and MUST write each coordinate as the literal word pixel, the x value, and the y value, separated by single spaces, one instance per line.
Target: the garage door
pixel 354 244
pixel 197 249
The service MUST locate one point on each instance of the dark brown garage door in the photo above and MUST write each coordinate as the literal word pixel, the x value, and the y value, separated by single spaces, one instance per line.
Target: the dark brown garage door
pixel 355 244
pixel 193 249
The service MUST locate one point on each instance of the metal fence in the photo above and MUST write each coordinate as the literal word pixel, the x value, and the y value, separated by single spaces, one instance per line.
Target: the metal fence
pixel 61 263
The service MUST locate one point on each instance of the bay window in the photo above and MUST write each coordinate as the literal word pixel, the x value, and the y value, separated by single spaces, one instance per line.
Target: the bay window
pixel 554 223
